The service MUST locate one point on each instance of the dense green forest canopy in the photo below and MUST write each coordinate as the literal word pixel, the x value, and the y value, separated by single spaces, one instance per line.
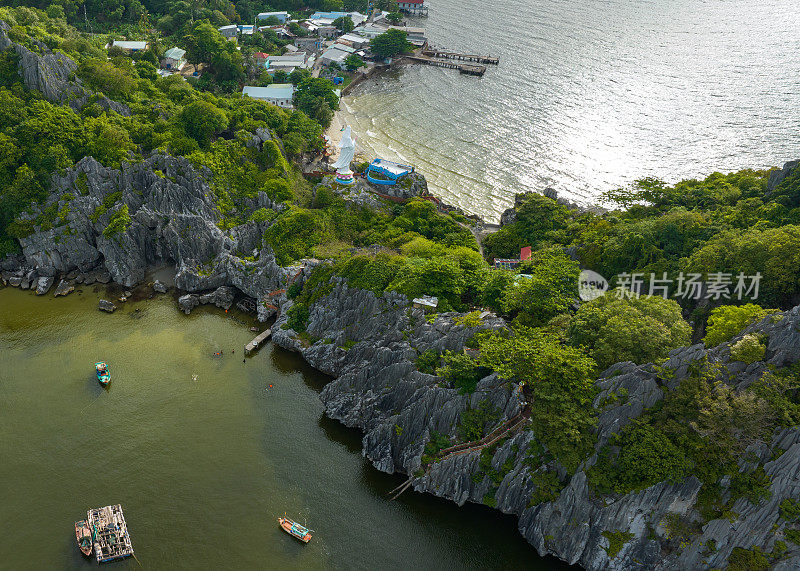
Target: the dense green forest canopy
pixel 104 13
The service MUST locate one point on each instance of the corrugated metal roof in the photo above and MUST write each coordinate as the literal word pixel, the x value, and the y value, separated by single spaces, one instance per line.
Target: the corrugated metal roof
pixel 271 92
pixel 125 45
pixel 175 53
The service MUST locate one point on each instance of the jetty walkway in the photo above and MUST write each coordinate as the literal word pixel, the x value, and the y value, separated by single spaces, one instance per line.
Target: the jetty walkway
pixel 440 54
pixel 468 69
pixel 255 343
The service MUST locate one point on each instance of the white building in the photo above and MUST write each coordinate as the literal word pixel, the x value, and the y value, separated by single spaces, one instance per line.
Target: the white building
pixel 369 31
pixel 293 61
pixel 174 58
pixel 280 94
pixel 129 47
pixel 353 40
pixel 413 7
pixel 229 32
pixel 282 17
pixel 335 54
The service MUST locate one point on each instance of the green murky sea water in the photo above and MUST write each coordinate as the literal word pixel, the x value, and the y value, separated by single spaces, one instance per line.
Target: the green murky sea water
pixel 202 468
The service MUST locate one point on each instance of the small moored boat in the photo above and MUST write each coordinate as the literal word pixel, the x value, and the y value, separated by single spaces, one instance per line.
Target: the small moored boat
pixel 103 374
pixel 295 529
pixel 84 537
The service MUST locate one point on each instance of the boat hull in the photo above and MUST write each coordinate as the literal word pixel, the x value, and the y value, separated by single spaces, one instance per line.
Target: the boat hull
pixel 84 537
pixel 105 377
pixel 295 530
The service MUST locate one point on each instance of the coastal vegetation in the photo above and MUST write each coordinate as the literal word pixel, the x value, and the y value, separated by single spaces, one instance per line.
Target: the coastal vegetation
pixel 551 346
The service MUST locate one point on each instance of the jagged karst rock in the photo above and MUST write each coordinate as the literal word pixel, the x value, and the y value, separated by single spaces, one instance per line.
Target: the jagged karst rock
pixel 53 75
pixel 64 287
pixel 779 175
pixel 369 345
pixel 188 302
pixel 43 285
pixel 159 287
pixel 107 306
pixel 222 297
pixel 173 219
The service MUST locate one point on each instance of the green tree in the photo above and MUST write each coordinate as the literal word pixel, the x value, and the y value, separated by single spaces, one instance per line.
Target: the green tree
pixel 560 381
pixel 203 42
pixel 548 286
pixel 201 120
pixel 394 17
pixel 613 329
pixel 353 62
pixel 344 24
pixel 391 43
pixel 316 98
pixel 726 321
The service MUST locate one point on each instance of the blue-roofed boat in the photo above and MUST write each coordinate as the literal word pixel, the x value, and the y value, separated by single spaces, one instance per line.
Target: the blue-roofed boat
pixel 295 529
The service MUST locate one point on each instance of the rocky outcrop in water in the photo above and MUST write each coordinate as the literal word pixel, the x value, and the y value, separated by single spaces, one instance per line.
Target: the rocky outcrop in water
pixel 53 75
pixel 172 219
pixel 370 344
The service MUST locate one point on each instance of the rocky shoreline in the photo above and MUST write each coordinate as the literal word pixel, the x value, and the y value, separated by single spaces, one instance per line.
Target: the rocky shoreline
pixel 369 345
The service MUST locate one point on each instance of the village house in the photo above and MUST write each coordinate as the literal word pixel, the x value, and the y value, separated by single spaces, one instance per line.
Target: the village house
pixel 260 58
pixel 413 7
pixel 328 31
pixel 308 43
pixel 282 32
pixel 230 33
pixel 174 58
pixel 282 17
pixel 353 40
pixel 370 31
pixel 245 30
pixel 513 263
pixel 128 47
pixel 288 62
pixel 416 36
pixel 337 53
pixel 280 94
pixel 310 27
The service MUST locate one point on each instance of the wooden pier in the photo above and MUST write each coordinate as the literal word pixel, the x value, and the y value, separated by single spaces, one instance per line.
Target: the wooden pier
pixel 463 57
pixel 110 536
pixel 255 343
pixel 468 69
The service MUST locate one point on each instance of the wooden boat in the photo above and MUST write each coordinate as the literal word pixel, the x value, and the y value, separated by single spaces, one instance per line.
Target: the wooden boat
pixel 84 537
pixel 295 529
pixel 103 374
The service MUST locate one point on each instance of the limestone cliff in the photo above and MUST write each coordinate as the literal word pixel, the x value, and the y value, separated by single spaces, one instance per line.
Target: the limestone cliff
pixel 53 75
pixel 369 344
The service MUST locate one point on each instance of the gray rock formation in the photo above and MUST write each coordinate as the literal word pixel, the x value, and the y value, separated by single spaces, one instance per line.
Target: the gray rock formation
pixel 173 220
pixel 107 306
pixel 370 344
pixel 43 284
pixel 53 75
pixel 779 175
pixel 222 297
pixel 64 287
pixel 188 302
pixel 159 287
